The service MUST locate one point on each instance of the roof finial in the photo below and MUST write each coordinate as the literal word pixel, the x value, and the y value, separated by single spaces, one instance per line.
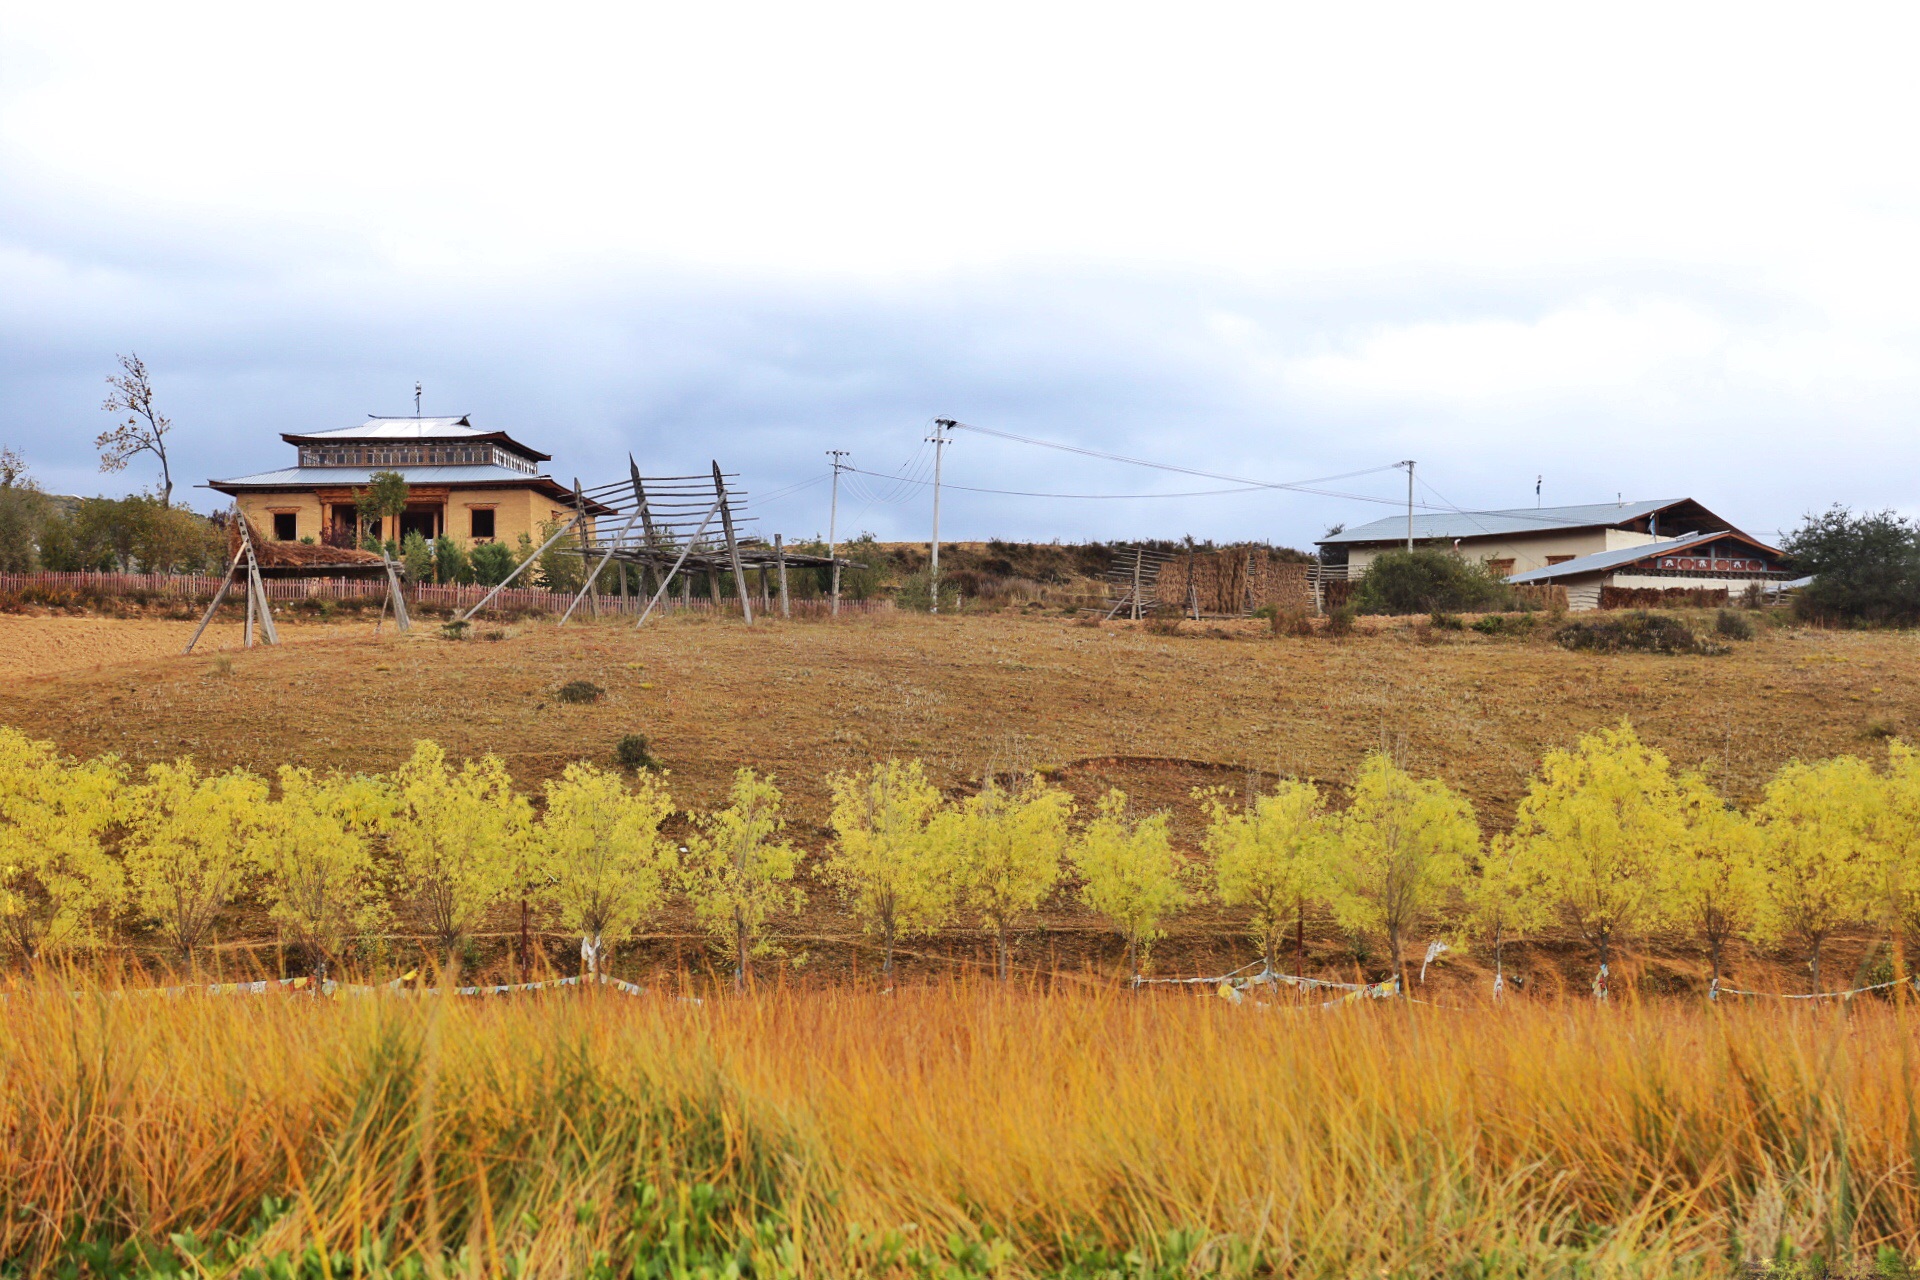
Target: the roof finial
pixel 416 399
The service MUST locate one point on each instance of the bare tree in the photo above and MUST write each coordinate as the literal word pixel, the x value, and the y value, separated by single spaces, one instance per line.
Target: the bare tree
pixel 13 469
pixel 145 429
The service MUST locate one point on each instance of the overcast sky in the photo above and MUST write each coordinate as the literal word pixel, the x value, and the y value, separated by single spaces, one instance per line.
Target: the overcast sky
pixel 1662 250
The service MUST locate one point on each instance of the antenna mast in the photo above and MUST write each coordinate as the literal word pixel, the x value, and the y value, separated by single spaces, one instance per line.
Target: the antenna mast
pixel 416 399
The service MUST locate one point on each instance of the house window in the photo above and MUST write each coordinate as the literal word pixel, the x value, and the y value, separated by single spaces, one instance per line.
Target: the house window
pixel 286 526
pixel 1500 568
pixel 1558 559
pixel 483 522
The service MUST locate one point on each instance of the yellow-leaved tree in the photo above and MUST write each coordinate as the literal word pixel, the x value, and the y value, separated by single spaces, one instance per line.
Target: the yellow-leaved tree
pixel 460 837
pixel 894 877
pixel 605 862
pixel 1504 902
pixel 186 846
pixel 1597 830
pixel 1405 845
pixel 311 852
pixel 1130 874
pixel 57 883
pixel 1006 846
pixel 1894 861
pixel 1709 874
pixel 1815 852
pixel 738 873
pixel 1273 856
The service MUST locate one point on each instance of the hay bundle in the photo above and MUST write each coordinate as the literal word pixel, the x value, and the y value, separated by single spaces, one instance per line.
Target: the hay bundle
pixel 1233 581
pixel 309 556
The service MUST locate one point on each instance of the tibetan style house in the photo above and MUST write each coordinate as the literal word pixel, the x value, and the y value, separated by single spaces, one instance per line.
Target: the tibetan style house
pixel 464 483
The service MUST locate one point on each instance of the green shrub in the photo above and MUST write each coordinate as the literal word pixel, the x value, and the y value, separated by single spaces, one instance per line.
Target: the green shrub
pixel 578 691
pixel 1734 626
pixel 491 563
pixel 1430 580
pixel 1636 632
pixel 1865 569
pixel 1340 621
pixel 631 752
pixel 1447 621
pixel 1504 624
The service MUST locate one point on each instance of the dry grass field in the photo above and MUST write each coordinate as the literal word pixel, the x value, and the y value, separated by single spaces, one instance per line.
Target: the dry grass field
pixel 1110 705
pixel 951 1132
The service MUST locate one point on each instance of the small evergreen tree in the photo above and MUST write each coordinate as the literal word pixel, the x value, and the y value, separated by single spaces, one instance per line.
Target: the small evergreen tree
pixel 416 557
pixel 450 563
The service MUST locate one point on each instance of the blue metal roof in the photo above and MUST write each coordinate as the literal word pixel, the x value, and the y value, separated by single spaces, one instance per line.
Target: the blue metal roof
pixel 1601 561
pixel 1482 524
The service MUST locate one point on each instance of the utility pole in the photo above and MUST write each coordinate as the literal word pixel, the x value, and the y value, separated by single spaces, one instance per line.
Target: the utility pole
pixel 833 525
pixel 1408 464
pixel 939 441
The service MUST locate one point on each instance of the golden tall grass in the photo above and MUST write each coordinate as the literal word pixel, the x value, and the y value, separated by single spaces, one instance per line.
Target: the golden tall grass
pixel 955 1130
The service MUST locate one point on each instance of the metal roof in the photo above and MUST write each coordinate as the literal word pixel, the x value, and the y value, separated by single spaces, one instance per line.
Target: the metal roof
pixel 407 429
pixel 376 428
pixel 484 476
pixel 329 477
pixel 1432 525
pixel 1600 561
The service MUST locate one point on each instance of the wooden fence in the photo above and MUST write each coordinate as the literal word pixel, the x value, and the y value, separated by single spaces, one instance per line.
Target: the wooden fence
pixel 59 588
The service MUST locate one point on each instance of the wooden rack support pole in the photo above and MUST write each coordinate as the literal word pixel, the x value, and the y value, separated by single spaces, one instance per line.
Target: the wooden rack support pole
pixel 780 555
pixel 586 547
pixel 733 545
pixel 1137 556
pixel 558 534
pixel 218 596
pixel 668 580
pixel 594 576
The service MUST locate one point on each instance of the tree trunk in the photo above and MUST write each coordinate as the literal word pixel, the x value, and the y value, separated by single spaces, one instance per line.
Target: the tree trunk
pixel 739 953
pixel 886 962
pixel 1300 939
pixel 1713 952
pixel 1814 975
pixel 1133 967
pixel 1399 962
pixel 1499 967
pixel 1002 961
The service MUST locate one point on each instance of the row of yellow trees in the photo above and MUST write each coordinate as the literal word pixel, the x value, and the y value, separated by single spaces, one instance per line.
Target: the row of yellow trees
pixel 1610 841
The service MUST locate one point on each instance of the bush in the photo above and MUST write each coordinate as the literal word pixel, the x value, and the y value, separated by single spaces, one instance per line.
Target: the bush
pixel 915 592
pixel 492 562
pixel 1734 626
pixel 1429 580
pixel 1447 621
pixel 416 557
pixel 450 563
pixel 579 691
pixel 631 752
pixel 1340 621
pixel 1163 624
pixel 1865 569
pixel 1291 622
pixel 1637 632
pixel 1505 624
pixel 456 629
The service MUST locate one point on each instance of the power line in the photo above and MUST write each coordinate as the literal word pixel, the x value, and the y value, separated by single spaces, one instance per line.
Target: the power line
pixel 1168 466
pixel 1022 493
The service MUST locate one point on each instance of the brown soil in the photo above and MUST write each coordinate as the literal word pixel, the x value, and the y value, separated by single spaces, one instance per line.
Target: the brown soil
pixel 1112 705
